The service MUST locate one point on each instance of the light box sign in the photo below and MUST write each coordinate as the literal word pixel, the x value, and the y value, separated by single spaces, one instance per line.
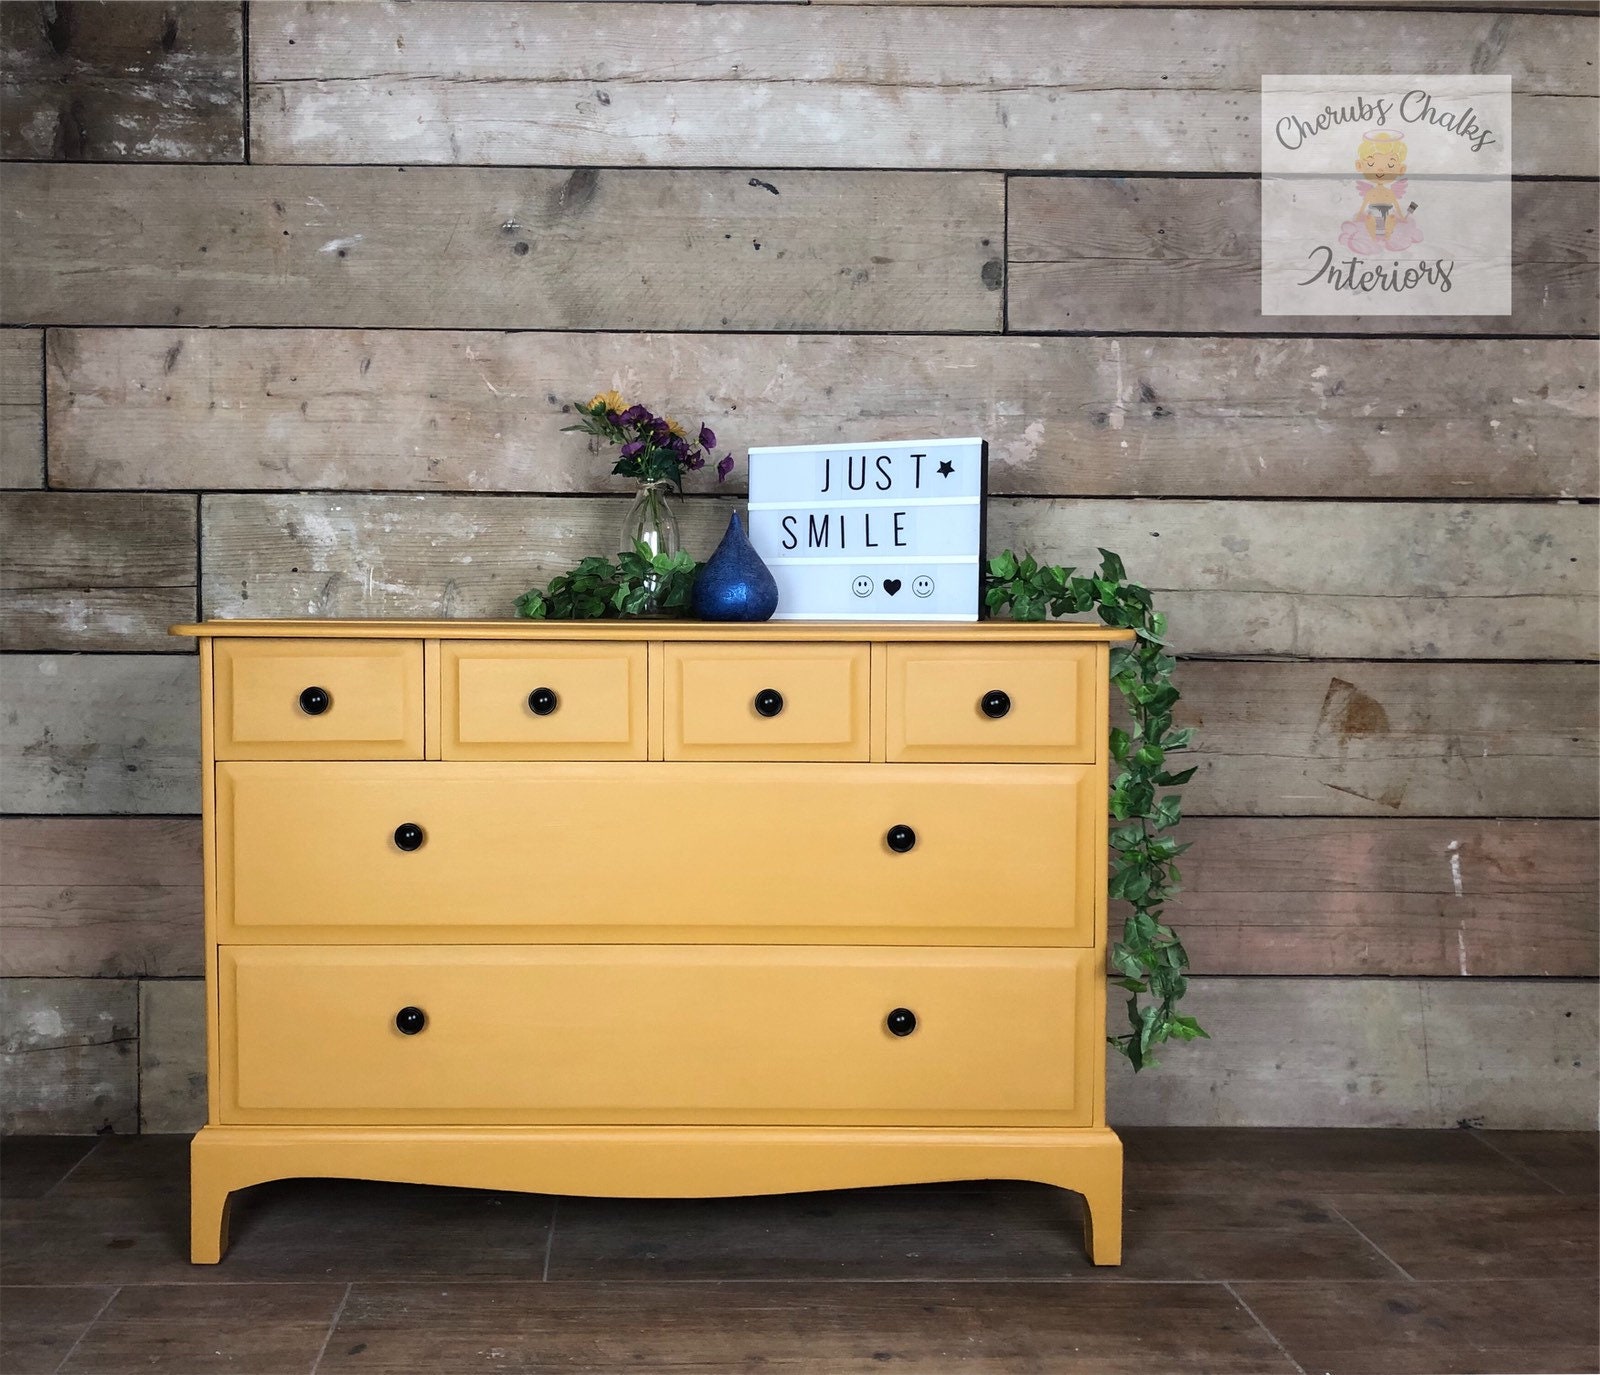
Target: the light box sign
pixel 869 532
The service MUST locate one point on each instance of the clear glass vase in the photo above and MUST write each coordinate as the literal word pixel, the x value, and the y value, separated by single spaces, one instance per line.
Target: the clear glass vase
pixel 651 522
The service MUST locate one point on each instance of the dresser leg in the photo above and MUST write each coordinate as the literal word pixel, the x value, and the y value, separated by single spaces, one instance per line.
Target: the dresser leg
pixel 209 1201
pixel 1102 1226
pixel 1095 1172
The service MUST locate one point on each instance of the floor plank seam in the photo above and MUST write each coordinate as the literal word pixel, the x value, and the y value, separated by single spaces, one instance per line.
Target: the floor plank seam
pixel 338 1312
pixel 72 1169
pixel 1520 1164
pixel 111 1298
pixel 1271 1335
pixel 1404 1274
pixel 550 1238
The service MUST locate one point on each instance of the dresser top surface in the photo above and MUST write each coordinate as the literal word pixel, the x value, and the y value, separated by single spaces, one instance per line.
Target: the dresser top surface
pixel 980 632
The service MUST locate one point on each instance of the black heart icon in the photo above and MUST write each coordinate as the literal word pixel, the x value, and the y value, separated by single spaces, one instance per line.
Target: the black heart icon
pixel 891 585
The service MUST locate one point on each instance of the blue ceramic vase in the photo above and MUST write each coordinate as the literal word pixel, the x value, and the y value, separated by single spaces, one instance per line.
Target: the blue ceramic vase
pixel 735 585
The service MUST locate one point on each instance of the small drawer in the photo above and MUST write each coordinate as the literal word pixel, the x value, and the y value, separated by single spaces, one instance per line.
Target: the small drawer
pixel 692 1034
pixel 318 699
pixel 767 702
pixel 543 701
pixel 1000 704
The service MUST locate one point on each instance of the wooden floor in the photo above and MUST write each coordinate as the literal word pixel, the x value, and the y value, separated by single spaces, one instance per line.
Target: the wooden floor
pixel 1391 1252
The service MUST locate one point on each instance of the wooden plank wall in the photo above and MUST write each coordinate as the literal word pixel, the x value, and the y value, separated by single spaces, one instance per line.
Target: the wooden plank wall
pixel 319 359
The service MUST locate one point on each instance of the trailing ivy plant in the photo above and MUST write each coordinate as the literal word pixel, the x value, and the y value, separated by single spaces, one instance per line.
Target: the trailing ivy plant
pixel 597 587
pixel 1150 958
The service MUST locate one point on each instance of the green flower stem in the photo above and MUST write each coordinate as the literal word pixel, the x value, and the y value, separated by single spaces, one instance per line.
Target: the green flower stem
pixel 1150 958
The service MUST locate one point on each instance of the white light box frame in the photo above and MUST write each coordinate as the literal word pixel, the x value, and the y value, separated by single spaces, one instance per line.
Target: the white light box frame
pixel 872 532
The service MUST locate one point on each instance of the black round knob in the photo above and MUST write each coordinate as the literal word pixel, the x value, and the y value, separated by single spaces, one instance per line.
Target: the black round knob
pixel 901 1022
pixel 769 702
pixel 314 701
pixel 901 839
pixel 409 836
pixel 411 1020
pixel 995 704
pixel 542 701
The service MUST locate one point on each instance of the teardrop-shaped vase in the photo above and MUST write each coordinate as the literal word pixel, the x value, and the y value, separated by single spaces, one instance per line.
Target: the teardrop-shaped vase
pixel 735 585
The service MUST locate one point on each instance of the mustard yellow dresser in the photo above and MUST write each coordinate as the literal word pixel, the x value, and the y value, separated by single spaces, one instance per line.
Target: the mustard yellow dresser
pixel 655 908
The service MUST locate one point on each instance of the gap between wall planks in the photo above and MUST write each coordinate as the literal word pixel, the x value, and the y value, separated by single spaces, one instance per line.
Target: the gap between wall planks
pixel 1037 89
pixel 1402 744
pixel 1450 6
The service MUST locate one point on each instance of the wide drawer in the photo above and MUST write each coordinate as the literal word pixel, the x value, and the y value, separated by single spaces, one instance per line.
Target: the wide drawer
pixel 542 701
pixel 318 699
pixel 998 704
pixel 767 701
pixel 765 852
pixel 657 1034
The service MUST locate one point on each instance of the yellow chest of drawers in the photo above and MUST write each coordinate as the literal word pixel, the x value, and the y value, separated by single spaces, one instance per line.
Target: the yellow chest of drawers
pixel 655 908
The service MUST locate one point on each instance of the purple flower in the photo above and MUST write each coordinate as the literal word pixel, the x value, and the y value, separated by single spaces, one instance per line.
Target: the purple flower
pixel 724 467
pixel 658 427
pixel 708 440
pixel 679 445
pixel 634 415
pixel 695 462
pixel 633 449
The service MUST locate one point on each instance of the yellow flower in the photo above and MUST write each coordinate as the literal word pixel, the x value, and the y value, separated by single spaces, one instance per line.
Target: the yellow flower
pixel 609 400
pixel 676 428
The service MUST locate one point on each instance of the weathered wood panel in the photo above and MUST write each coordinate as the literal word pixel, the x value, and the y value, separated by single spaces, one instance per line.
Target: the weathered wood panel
pixel 1318 579
pixel 502 248
pixel 100 897
pixel 172 1055
pixel 69 1056
pixel 1427 898
pixel 792 86
pixel 96 571
pixel 443 410
pixel 21 408
pixel 1387 739
pixel 99 733
pixel 1507 6
pixel 1427 580
pixel 1375 1053
pixel 1156 254
pixel 132 81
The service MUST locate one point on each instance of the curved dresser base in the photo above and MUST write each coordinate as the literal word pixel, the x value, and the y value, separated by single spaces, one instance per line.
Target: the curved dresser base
pixel 656 1162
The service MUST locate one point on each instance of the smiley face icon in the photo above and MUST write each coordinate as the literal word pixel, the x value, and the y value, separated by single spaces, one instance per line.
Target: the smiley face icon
pixel 862 586
pixel 922 586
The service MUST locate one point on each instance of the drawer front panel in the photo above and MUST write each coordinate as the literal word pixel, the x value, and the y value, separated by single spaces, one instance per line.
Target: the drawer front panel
pixel 543 701
pixel 1014 704
pixel 658 1034
pixel 316 699
pixel 765 852
pixel 820 711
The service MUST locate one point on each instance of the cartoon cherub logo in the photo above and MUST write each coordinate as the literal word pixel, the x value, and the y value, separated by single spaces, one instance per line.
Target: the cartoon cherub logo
pixel 1381 224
